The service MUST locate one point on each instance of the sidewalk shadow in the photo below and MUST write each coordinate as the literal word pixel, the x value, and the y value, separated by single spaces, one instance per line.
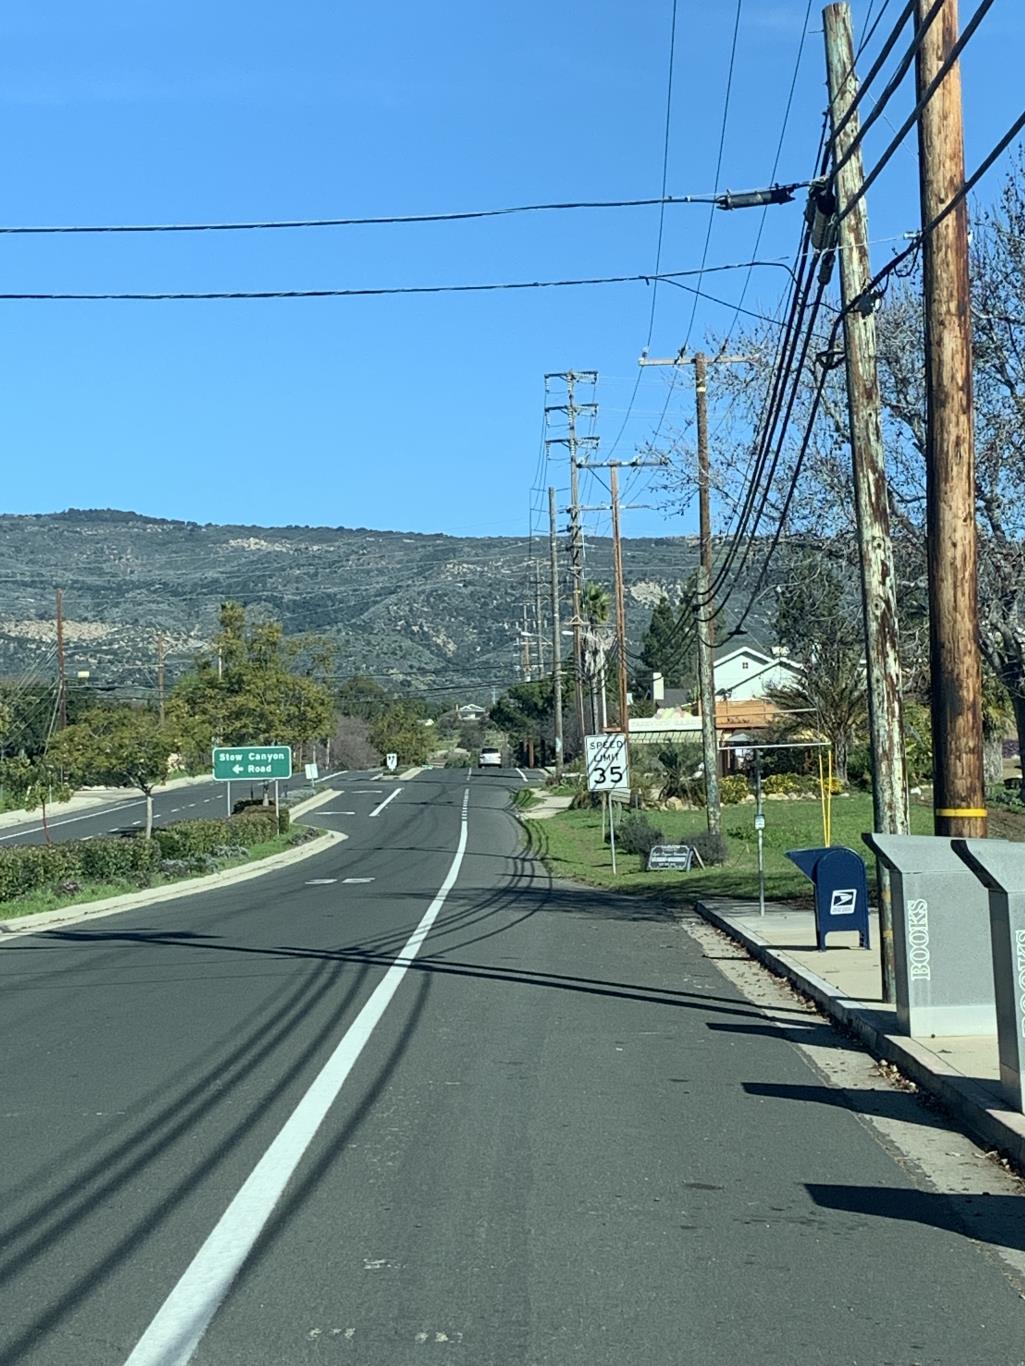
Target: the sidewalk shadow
pixel 995 1219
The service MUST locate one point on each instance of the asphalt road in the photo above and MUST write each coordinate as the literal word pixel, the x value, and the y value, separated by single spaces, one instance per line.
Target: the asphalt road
pixel 199 801
pixel 544 1130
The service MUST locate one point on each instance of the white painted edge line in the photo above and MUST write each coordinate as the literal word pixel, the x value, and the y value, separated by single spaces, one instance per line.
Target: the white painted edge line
pixel 523 775
pixel 183 1318
pixel 68 820
pixel 357 879
pixel 381 805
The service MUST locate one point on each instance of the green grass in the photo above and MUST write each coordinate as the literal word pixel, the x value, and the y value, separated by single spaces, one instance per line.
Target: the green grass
pixel 571 846
pixel 48 900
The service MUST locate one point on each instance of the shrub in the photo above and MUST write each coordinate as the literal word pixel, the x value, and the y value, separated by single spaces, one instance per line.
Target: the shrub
pixel 635 834
pixel 229 851
pixel 783 785
pixel 733 789
pixel 109 859
pixel 710 848
pixel 188 839
pixel 256 827
pixel 30 867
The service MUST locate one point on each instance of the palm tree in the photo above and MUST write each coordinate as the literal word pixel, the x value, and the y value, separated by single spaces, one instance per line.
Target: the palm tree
pixel 595 603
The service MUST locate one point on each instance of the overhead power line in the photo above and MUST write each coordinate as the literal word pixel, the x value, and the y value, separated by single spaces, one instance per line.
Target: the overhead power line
pixel 716 200
pixel 364 293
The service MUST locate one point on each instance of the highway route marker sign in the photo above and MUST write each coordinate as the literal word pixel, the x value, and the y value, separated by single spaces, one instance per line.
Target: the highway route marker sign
pixel 392 760
pixel 608 763
pixel 238 763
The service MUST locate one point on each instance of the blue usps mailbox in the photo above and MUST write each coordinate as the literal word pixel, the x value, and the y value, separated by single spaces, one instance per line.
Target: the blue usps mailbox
pixel 841 890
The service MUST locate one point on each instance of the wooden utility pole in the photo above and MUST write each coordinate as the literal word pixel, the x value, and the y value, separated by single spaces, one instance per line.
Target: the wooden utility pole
pixel 956 666
pixel 553 551
pixel 574 442
pixel 160 674
pixel 878 580
pixel 62 689
pixel 539 620
pixel 617 561
pixel 705 625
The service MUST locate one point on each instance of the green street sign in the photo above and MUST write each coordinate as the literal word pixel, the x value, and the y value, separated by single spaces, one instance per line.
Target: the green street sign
pixel 236 764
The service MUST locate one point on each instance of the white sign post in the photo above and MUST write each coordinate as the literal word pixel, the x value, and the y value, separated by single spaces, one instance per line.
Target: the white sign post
pixel 607 760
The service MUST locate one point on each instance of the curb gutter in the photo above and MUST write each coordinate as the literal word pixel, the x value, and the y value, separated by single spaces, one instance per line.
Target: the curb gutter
pixel 975 1107
pixel 130 901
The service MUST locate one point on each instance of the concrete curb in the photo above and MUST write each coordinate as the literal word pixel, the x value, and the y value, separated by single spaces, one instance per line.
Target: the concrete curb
pixel 130 901
pixel 976 1108
pixel 406 774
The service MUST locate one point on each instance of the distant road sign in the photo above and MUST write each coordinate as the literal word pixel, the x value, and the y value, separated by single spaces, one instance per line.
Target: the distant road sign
pixel 392 760
pixel 608 763
pixel 239 762
pixel 312 772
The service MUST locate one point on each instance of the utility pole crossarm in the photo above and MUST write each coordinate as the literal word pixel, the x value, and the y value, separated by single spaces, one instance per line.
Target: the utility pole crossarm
pixel 709 360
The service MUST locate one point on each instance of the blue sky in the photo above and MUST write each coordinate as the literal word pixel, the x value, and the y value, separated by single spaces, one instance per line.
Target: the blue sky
pixel 417 414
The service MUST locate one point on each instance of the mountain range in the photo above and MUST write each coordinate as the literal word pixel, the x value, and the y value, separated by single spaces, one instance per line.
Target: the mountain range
pixel 420 610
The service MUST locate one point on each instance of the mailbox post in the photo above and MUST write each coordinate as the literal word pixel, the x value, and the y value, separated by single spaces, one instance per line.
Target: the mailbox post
pixel 943 960
pixel 1000 867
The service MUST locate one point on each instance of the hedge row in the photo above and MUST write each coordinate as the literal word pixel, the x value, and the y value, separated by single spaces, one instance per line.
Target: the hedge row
pixel 189 839
pixel 30 868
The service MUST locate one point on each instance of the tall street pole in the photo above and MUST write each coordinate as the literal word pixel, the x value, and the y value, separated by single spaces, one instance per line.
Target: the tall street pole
pixel 539 620
pixel 62 688
pixel 959 793
pixel 706 628
pixel 160 675
pixel 553 550
pixel 878 582
pixel 617 560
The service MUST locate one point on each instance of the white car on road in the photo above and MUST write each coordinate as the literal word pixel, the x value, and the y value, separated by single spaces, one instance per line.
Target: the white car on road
pixel 490 758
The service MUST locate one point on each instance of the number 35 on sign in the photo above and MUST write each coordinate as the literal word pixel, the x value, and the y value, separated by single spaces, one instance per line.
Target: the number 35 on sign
pixel 608 763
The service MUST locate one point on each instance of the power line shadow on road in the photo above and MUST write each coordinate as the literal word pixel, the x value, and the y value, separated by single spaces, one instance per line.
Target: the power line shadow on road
pixel 883 1103
pixel 994 1219
pixel 814 1031
pixel 298 1194
pixel 85 1192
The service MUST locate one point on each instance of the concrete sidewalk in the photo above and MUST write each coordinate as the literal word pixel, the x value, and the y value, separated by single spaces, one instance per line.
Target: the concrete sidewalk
pixel 545 807
pixel 95 796
pixel 844 981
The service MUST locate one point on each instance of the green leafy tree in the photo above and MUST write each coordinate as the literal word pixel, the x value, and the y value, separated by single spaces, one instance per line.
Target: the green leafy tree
pixel 667 644
pixel 253 687
pixel 400 730
pixel 526 714
pixel 116 747
pixel 362 696
pixel 818 622
pixel 38 783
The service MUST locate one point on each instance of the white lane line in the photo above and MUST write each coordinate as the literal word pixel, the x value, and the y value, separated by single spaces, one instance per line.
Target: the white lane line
pixel 183 1318
pixel 522 775
pixel 321 881
pixel 381 805
pixel 337 774
pixel 357 879
pixel 174 809
pixel 69 820
pixel 336 813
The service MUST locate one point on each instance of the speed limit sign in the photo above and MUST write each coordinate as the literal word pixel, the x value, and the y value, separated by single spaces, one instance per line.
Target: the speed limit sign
pixel 608 763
